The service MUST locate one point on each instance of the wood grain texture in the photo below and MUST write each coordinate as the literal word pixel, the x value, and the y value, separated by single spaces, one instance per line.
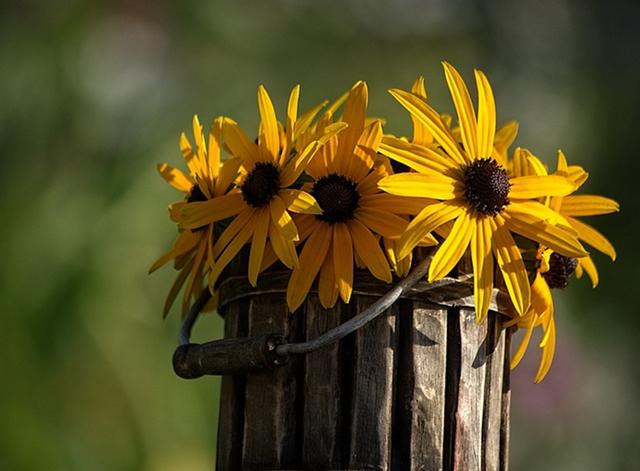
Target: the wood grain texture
pixel 372 395
pixel 492 415
pixel 424 384
pixel 468 430
pixel 232 394
pixel 506 404
pixel 270 418
pixel 322 392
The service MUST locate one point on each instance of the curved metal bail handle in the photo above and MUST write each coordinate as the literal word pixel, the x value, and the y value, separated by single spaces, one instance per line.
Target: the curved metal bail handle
pixel 240 355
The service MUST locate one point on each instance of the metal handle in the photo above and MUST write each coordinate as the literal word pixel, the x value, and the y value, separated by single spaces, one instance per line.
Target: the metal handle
pixel 239 355
pixel 228 356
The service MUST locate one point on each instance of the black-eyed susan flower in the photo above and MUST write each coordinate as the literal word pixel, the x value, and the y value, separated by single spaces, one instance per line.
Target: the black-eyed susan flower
pixel 554 269
pixel 472 189
pixel 209 179
pixel 574 206
pixel 553 272
pixel 355 214
pixel 263 198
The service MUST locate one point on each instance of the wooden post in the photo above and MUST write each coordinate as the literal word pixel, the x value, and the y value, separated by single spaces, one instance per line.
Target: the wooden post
pixel 422 387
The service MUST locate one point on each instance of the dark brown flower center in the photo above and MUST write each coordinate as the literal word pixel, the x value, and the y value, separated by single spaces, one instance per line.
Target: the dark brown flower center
pixel 261 185
pixel 560 268
pixel 486 186
pixel 196 194
pixel 337 196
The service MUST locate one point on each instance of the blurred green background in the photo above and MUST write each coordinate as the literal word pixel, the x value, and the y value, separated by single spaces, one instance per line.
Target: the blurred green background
pixel 93 95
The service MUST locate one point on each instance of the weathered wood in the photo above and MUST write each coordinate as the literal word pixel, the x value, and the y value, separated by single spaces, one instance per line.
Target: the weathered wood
pixel 270 400
pixel 232 389
pixel 421 387
pixel 468 431
pixel 419 424
pixel 372 397
pixel 322 391
pixel 492 415
pixel 506 404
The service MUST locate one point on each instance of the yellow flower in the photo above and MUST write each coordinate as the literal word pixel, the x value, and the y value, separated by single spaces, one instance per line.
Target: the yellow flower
pixel 470 187
pixel 262 200
pixel 555 268
pixel 554 271
pixel 208 179
pixel 355 213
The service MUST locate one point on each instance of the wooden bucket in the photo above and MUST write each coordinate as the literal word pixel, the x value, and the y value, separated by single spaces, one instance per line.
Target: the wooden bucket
pixel 421 387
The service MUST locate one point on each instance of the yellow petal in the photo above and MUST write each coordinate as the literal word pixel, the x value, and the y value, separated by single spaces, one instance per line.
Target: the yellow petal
pixel 369 251
pixel 229 172
pixel 427 220
pixel 343 260
pixel 239 143
pixel 354 114
pixel 297 164
pixel 382 222
pixel 312 257
pixel 369 184
pixel 450 251
pixel 305 120
pixel 547 355
pixel 198 214
pixel 419 158
pixel 592 237
pixel 464 108
pixel 261 221
pixel 522 348
pixel 284 248
pixel 241 220
pixel 292 110
pixel 418 88
pixel 213 150
pixel 511 265
pixel 176 287
pixel 486 115
pixel 306 224
pixel 505 136
pixel 299 201
pixel 196 272
pixel 230 253
pixel 190 158
pixel 409 205
pixel 421 134
pixel 327 287
pixel 588 205
pixel 586 264
pixel 364 152
pixel 282 219
pixel 186 241
pixel 421 184
pixel 175 178
pixel 432 121
pixel 482 261
pixel 535 212
pixel 553 237
pixel 269 136
pixel 534 186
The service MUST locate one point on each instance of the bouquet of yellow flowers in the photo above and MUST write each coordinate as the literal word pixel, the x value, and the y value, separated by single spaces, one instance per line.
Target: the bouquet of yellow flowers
pixel 322 192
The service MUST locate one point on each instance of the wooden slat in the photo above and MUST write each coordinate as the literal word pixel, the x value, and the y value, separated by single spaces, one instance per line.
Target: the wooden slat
pixel 231 416
pixel 468 429
pixel 270 407
pixel 428 343
pixel 322 388
pixel 493 395
pixel 506 404
pixel 372 395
